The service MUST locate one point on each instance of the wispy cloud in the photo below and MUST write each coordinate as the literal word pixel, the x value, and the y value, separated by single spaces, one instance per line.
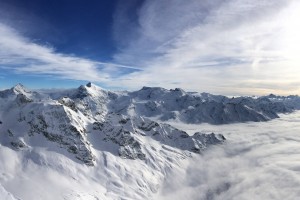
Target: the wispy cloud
pixel 20 55
pixel 228 47
pixel 216 46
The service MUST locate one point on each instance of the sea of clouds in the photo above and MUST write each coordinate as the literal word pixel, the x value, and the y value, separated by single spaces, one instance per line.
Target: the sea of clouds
pixel 258 161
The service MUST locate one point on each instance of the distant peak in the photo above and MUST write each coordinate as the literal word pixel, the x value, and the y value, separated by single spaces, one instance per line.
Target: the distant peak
pixel 19 85
pixel 178 90
pixel 20 89
pixel 94 86
pixel 272 95
pixel 146 88
pixel 89 89
pixel 89 84
pixel 152 88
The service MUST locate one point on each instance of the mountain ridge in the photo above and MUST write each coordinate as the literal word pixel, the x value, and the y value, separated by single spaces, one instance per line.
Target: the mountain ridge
pixel 70 119
pixel 121 143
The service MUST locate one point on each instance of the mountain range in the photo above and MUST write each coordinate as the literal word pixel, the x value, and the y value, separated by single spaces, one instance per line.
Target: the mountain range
pixel 97 128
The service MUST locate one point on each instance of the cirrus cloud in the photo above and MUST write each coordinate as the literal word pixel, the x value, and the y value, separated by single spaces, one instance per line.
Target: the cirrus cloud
pixel 20 55
pixel 234 47
pixel 219 46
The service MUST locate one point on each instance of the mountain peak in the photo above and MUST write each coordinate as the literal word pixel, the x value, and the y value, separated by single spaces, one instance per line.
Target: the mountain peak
pixel 89 84
pixel 179 91
pixel 152 88
pixel 89 89
pixel 20 89
pixel 19 85
pixel 93 86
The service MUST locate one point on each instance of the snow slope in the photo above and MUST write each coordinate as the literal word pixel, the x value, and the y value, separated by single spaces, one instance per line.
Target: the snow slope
pixel 6 195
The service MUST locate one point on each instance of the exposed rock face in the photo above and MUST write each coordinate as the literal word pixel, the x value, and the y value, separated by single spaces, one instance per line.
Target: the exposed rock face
pixel 77 121
pixel 59 124
pixel 128 134
pixel 18 144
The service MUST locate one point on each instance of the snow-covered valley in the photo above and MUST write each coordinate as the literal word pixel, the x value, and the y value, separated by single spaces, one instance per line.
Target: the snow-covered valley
pixel 90 143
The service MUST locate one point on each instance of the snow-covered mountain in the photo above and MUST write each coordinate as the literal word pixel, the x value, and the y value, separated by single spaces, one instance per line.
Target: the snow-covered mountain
pixel 106 130
pixel 84 118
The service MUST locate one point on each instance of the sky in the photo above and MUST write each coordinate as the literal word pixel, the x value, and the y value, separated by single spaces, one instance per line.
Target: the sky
pixel 229 47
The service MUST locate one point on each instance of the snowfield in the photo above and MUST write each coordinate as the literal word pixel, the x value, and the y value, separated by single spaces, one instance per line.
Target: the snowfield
pixel 89 143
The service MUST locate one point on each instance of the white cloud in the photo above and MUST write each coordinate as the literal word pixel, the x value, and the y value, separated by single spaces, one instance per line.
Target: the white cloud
pixel 21 55
pixel 258 161
pixel 227 47
pixel 24 56
pixel 219 46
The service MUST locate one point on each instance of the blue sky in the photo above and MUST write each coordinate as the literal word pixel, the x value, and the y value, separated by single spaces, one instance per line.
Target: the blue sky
pixel 227 47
